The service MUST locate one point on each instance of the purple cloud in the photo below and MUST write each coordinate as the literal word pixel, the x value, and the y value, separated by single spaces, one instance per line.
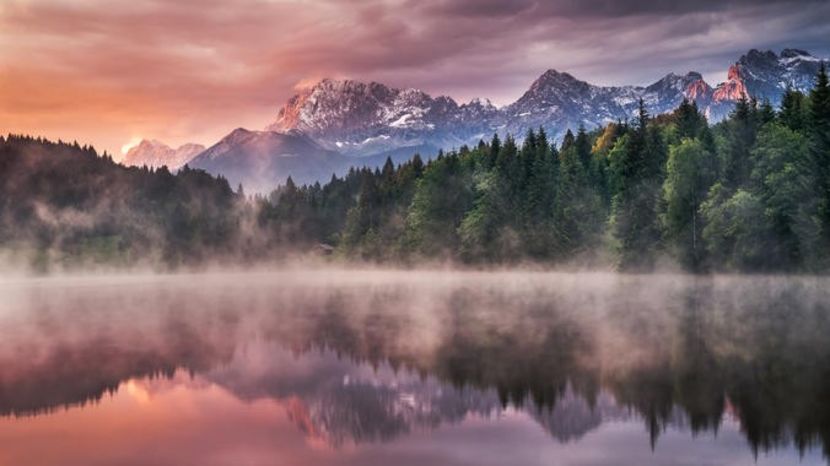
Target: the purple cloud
pixel 191 70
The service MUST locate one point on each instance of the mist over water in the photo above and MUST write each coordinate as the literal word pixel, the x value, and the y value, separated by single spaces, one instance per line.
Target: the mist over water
pixel 323 366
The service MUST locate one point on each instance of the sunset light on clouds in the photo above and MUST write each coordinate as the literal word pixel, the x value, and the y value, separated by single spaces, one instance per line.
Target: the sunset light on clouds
pixel 183 71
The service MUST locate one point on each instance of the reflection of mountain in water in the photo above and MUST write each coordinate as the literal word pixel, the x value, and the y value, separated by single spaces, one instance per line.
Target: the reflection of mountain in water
pixel 573 416
pixel 339 401
pixel 359 358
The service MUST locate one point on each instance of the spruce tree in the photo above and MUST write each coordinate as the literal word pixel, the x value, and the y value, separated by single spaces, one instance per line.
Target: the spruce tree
pixel 583 149
pixel 690 174
pixel 742 130
pixel 819 135
pixel 792 113
pixel 639 172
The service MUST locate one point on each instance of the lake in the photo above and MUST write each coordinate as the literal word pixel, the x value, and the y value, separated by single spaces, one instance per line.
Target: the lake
pixel 378 367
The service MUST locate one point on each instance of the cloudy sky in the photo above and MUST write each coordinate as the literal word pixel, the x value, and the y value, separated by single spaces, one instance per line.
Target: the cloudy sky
pixel 108 72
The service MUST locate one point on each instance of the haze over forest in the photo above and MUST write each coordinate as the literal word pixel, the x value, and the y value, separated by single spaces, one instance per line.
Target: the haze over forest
pixel 750 193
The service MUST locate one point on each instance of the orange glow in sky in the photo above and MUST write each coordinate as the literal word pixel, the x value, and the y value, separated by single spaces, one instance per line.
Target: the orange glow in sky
pixel 103 72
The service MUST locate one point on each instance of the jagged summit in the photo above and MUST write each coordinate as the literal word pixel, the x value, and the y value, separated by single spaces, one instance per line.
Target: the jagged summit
pixel 370 118
pixel 338 123
pixel 346 104
pixel 553 76
pixel 155 154
pixel 733 88
pixel 764 75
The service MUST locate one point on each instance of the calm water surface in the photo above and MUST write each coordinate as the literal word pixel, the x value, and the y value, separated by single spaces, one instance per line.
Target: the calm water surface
pixel 414 368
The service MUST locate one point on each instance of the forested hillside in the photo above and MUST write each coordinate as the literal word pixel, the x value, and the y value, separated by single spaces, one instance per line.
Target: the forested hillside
pixel 64 204
pixel 751 193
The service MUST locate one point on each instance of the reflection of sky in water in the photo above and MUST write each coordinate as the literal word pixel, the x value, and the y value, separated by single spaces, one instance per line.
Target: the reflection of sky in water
pixel 179 373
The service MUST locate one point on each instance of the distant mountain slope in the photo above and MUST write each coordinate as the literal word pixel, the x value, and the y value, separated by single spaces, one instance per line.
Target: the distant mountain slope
pixel 73 206
pixel 155 154
pixel 261 160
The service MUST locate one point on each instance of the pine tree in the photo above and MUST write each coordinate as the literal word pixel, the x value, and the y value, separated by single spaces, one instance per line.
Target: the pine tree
pixel 783 179
pixel 567 141
pixel 819 135
pixel 742 129
pixel 493 154
pixel 577 213
pixel 793 114
pixel 690 174
pixel 689 120
pixel 639 168
pixel 582 145
pixel 766 114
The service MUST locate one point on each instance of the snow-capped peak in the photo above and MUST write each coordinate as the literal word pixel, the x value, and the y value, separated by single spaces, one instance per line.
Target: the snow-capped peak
pixel 155 154
pixel 366 118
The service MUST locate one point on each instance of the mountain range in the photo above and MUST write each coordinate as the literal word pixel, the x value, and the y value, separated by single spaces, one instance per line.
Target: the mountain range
pixel 336 124
pixel 156 154
pixel 257 158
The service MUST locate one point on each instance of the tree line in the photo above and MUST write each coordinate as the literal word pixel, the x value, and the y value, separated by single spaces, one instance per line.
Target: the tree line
pixel 64 205
pixel 751 193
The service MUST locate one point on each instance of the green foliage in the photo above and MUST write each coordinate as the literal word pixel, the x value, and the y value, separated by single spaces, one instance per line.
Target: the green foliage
pixel 794 114
pixel 784 178
pixel 480 232
pixel 442 196
pixel 578 212
pixel 750 193
pixel 78 208
pixel 818 131
pixel 690 172
pixel 638 171
pixel 734 232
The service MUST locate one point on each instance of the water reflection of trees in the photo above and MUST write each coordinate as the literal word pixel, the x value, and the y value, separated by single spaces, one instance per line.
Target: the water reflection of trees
pixel 685 352
pixel 755 348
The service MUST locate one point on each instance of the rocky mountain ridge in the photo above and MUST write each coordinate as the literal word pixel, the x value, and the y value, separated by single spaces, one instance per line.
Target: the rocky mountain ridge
pixel 336 124
pixel 370 118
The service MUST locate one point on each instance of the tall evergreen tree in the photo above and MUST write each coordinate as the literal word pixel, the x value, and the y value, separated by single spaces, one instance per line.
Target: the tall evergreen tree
pixel 690 174
pixel 819 134
pixel 639 172
pixel 783 179
pixel 690 122
pixel 793 110
pixel 742 128
pixel 582 145
pixel 567 141
pixel 578 214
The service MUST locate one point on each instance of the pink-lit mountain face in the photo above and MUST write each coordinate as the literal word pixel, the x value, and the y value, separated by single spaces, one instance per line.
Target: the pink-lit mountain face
pixel 365 119
pixel 357 118
pixel 733 89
